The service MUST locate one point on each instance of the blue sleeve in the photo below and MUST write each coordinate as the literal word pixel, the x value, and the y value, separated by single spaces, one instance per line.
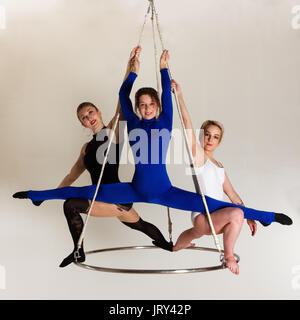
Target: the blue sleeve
pixel 124 94
pixel 166 96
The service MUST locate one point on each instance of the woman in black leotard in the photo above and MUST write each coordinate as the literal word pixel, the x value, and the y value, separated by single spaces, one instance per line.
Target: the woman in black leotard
pixel 90 159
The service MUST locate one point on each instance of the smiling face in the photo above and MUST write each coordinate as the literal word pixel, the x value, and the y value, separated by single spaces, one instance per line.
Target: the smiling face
pixel 147 106
pixel 90 117
pixel 212 138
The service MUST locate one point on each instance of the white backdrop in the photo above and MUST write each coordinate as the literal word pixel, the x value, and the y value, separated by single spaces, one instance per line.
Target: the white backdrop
pixel 238 62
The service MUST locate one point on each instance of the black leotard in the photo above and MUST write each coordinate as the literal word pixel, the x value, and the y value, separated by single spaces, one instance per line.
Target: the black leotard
pixel 94 155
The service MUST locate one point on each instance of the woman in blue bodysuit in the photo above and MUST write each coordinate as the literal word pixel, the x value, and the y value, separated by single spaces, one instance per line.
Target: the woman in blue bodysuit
pixel 150 181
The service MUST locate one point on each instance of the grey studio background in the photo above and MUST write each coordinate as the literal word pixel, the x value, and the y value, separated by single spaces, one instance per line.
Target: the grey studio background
pixel 237 62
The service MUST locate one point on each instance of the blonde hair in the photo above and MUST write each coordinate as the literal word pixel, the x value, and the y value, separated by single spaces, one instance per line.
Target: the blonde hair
pixel 209 123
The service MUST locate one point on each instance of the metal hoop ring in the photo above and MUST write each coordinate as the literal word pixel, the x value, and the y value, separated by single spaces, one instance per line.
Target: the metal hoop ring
pixel 151 271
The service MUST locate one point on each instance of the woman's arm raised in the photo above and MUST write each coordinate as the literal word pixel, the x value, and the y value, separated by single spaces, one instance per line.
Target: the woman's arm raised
pixel 166 96
pixel 130 66
pixel 124 93
pixel 197 150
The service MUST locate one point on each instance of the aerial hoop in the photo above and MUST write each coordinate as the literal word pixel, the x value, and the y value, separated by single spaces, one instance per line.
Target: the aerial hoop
pixel 152 271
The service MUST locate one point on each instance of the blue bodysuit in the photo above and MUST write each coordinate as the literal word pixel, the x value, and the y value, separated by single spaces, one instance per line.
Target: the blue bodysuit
pixel 150 181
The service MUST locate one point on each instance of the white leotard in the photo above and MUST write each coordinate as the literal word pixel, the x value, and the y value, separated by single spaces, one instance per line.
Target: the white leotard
pixel 211 177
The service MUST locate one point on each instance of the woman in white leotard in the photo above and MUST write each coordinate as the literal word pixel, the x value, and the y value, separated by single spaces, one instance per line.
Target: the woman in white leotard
pixel 214 183
pixel 211 174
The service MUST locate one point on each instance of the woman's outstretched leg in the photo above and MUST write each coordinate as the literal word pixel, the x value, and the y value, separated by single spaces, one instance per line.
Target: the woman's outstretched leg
pixel 174 198
pixel 190 201
pixel 111 193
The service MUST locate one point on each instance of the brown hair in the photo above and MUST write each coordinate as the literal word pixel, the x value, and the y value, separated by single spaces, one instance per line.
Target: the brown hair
pixel 83 105
pixel 150 92
pixel 209 123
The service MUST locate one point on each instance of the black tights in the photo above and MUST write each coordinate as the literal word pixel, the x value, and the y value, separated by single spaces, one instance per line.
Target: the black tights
pixel 72 209
pixel 74 206
pixel 151 231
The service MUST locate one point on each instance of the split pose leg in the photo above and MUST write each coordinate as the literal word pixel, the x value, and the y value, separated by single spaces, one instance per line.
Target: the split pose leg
pixel 173 197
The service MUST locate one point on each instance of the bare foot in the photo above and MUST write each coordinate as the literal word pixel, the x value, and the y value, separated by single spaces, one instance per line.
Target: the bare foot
pixel 180 246
pixel 191 245
pixel 232 265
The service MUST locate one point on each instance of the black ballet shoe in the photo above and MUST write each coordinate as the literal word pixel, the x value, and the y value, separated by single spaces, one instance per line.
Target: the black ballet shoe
pixel 283 219
pixel 37 203
pixel 21 195
pixel 71 258
pixel 164 245
pixel 264 224
pixel 280 218
pixel 24 195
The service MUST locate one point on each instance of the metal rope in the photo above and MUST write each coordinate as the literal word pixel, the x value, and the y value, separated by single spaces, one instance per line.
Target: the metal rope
pixel 155 53
pixel 169 224
pixel 143 26
pixel 196 181
pixel 153 17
